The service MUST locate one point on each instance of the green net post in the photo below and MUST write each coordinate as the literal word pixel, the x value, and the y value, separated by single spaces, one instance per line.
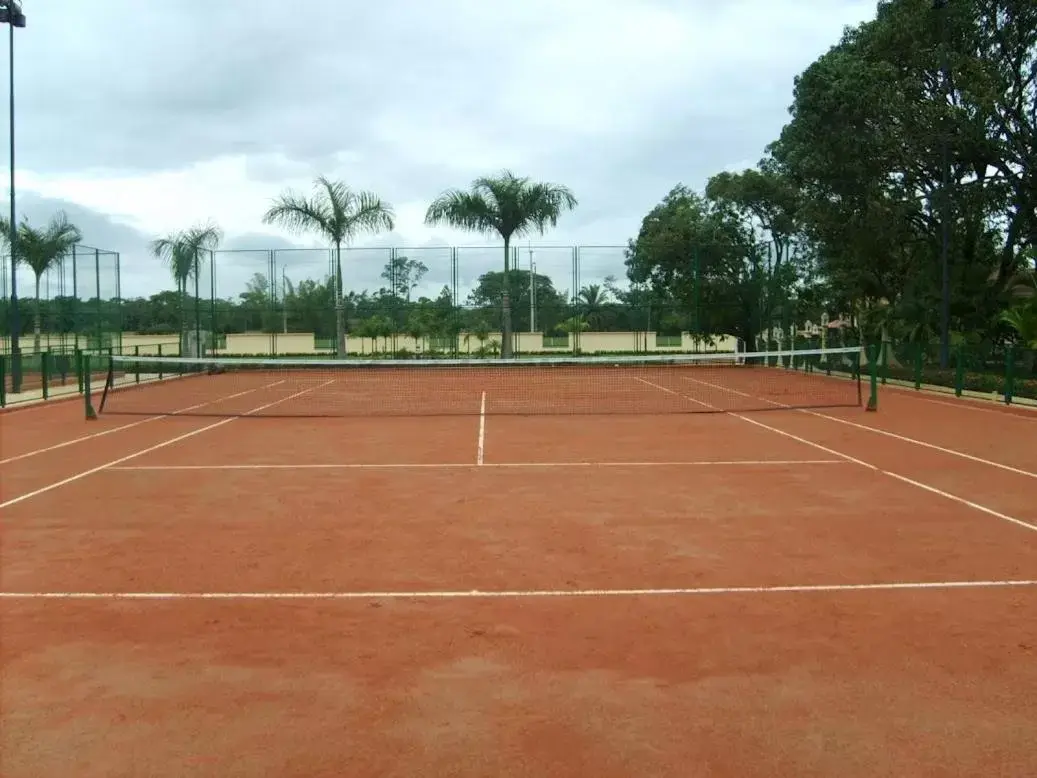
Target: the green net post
pixel 1009 375
pixel 959 371
pixel 78 357
pixel 45 373
pixel 873 379
pixel 136 365
pixel 91 414
pixel 3 381
pixel 160 364
pixel 918 365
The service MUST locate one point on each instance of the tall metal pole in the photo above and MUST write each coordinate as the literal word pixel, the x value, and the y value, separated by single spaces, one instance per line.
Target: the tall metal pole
pixel 14 17
pixel 940 6
pixel 532 292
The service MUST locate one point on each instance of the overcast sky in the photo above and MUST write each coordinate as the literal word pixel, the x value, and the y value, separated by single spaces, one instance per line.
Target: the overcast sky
pixel 138 117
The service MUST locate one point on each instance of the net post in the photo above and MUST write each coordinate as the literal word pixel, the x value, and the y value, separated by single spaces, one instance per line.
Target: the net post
pixel 3 381
pixel 1009 374
pixel 959 370
pixel 91 413
pixel 136 364
pixel 45 373
pixel 918 366
pixel 873 379
pixel 78 357
pixel 160 364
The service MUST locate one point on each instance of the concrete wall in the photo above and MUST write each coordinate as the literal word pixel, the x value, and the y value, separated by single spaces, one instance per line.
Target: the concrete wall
pixel 589 342
pixel 265 344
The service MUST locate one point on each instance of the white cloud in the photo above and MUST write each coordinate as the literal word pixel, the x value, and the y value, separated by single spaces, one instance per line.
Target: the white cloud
pixel 164 115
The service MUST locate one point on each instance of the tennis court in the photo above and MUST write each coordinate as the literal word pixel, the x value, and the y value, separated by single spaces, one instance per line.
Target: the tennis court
pixel 555 568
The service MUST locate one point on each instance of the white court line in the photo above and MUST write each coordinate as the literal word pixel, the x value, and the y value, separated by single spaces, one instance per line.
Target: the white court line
pixel 933 446
pixel 462 594
pixel 499 465
pixel 149 449
pixel 965 403
pixel 480 449
pixel 897 476
pixel 876 430
pixel 133 424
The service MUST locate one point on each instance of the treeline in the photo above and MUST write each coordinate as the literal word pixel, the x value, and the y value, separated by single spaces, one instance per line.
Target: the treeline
pixel 913 136
pixel 308 306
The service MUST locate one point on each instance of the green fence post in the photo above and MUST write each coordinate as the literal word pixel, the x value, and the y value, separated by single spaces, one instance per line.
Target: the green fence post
pixel 136 364
pixel 91 414
pixel 3 381
pixel 873 381
pixel 45 373
pixel 78 356
pixel 1009 375
pixel 959 371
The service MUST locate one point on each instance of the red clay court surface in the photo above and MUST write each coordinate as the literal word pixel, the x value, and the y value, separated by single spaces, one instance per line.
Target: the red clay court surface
pixel 784 593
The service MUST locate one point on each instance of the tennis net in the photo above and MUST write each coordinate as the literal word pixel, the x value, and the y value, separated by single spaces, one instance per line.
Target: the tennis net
pixel 650 384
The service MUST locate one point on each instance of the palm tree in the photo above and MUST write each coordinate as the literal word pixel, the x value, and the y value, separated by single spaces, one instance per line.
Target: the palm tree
pixel 1023 319
pixel 182 252
pixel 338 214
pixel 594 299
pixel 504 205
pixel 41 249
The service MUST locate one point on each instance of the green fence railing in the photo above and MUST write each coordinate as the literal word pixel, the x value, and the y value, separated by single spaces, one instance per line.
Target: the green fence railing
pixel 1005 372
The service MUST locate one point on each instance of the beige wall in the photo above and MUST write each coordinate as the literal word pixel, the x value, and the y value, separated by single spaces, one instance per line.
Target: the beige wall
pixel 263 344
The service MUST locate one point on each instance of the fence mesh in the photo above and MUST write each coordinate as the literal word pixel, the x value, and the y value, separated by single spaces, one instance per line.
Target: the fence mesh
pixel 73 305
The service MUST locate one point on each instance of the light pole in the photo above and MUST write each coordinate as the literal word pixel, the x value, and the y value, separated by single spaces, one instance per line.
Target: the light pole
pixel 532 291
pixel 11 15
pixel 940 6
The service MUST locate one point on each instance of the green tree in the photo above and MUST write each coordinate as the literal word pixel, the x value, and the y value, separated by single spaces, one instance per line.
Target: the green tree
pixel 182 251
pixel 403 275
pixel 593 299
pixel 871 121
pixel 510 207
pixel 550 304
pixel 699 260
pixel 42 249
pixel 338 214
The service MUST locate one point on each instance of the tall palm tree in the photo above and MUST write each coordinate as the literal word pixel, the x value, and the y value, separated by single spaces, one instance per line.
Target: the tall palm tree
pixel 338 214
pixel 182 251
pixel 594 299
pixel 504 205
pixel 41 249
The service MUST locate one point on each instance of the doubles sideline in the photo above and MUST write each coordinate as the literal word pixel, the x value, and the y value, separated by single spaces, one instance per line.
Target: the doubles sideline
pixel 163 444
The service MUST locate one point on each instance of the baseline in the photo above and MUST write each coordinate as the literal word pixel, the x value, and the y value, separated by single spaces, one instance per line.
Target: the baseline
pixel 149 449
pixel 519 593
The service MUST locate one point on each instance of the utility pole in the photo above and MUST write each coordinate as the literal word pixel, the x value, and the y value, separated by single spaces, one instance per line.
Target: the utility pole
pixel 940 6
pixel 11 14
pixel 532 291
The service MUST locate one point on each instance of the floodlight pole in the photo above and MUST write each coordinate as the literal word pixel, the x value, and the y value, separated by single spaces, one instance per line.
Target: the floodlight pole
pixel 532 292
pixel 11 14
pixel 940 6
